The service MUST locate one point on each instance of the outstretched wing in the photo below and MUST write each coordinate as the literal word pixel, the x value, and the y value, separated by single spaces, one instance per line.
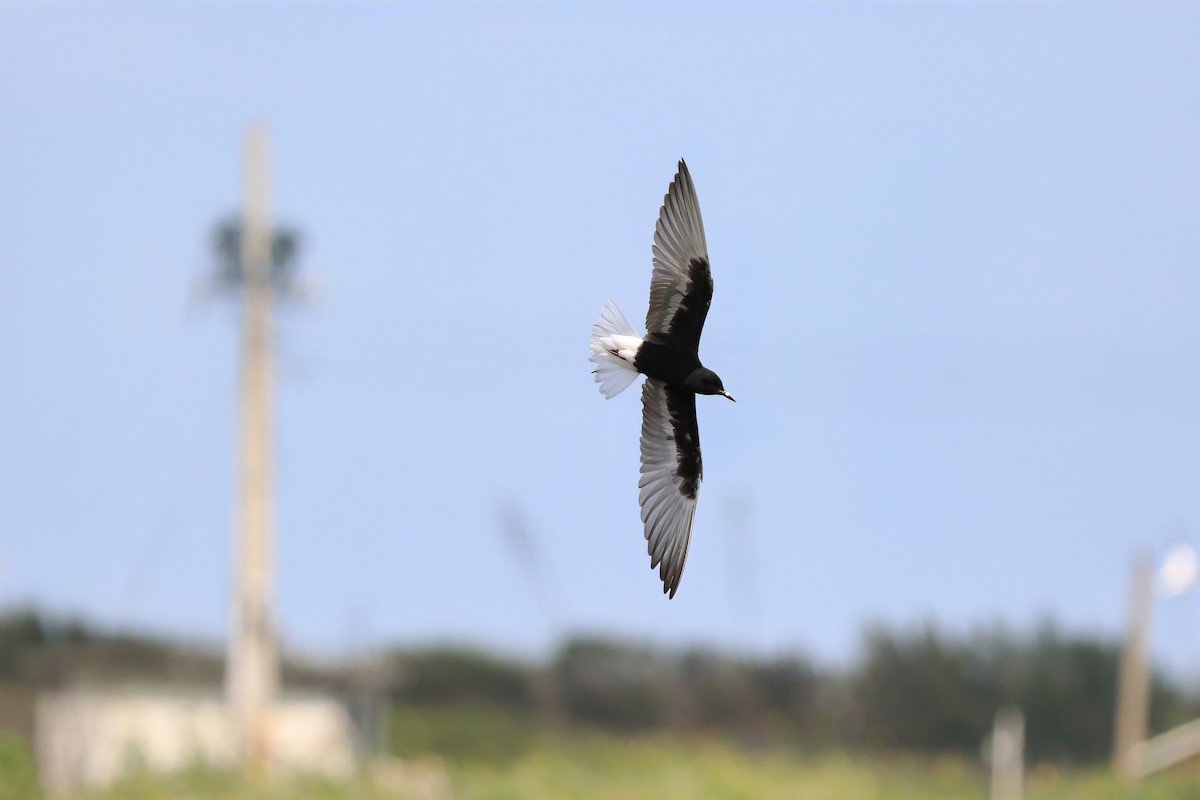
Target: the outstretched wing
pixel 681 284
pixel 671 472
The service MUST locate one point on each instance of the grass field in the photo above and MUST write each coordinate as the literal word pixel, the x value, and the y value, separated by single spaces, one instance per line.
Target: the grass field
pixel 474 755
pixel 606 768
pixel 646 770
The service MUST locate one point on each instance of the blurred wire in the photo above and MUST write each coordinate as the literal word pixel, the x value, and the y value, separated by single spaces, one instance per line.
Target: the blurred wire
pixel 741 576
pixel 164 526
pixel 526 552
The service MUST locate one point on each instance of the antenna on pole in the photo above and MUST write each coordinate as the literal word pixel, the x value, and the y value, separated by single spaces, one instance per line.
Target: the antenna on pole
pixel 257 261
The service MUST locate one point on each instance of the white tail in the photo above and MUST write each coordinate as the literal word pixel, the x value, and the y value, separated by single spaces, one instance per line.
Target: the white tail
pixel 614 346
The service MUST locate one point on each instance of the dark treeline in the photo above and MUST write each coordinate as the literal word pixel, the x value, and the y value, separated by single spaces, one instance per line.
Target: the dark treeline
pixel 916 689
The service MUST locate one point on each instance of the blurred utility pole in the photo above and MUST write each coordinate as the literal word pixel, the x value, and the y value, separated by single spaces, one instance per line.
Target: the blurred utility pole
pixel 1133 687
pixel 254 260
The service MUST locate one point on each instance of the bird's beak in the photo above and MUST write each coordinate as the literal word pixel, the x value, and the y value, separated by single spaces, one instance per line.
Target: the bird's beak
pixel 727 394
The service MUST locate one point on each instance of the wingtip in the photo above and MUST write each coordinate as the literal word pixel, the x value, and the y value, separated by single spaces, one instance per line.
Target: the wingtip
pixel 670 581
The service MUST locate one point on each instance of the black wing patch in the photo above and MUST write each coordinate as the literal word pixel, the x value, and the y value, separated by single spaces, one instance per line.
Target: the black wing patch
pixel 671 474
pixel 681 283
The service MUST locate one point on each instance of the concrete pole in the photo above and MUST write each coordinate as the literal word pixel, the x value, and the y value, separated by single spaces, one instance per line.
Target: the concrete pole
pixel 1133 687
pixel 1008 754
pixel 253 669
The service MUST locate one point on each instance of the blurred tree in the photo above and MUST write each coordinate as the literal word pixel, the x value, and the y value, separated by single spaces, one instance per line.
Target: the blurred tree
pixel 21 635
pixel 1068 692
pixel 916 689
pixel 925 690
pixel 449 675
pixel 613 685
pixel 921 691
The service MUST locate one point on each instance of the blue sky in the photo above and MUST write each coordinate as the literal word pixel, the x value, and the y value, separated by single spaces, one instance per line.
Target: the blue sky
pixel 956 250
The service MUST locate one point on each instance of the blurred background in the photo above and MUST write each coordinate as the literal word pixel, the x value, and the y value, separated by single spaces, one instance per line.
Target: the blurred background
pixel 956 257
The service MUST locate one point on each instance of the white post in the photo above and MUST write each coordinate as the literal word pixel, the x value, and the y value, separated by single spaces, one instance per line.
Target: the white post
pixel 253 671
pixel 1133 688
pixel 1008 754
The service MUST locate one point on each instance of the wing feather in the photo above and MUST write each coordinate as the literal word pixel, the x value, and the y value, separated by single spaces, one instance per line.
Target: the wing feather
pixel 681 282
pixel 671 472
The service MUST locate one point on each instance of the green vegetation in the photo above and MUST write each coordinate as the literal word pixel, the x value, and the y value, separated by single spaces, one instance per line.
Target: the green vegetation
pixel 624 721
pixel 468 734
pixel 498 756
pixel 917 690
pixel 602 767
pixel 18 781
pixel 655 769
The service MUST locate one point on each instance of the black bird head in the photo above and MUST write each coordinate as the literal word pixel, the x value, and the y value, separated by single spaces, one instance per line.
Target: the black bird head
pixel 705 381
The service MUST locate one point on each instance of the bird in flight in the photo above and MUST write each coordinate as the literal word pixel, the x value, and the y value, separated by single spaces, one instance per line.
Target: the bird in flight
pixel 680 293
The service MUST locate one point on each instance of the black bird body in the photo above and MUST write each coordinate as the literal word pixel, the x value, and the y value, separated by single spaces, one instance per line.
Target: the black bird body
pixel 664 359
pixel 680 294
pixel 678 367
